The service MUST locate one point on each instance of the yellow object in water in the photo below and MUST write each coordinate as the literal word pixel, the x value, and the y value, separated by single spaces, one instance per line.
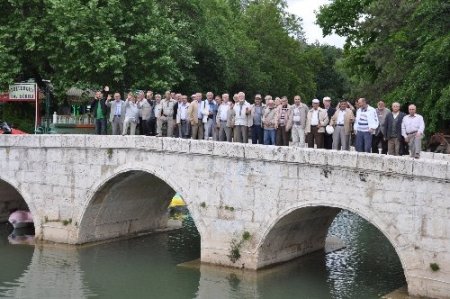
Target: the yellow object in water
pixel 177 201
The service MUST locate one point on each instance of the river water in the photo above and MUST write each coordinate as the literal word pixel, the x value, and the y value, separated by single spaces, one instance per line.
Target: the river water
pixel 148 267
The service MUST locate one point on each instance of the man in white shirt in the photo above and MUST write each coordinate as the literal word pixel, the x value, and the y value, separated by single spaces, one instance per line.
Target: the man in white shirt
pixel 222 116
pixel 242 110
pixel 413 127
pixel 182 118
pixel 131 115
pixel 316 121
pixel 209 109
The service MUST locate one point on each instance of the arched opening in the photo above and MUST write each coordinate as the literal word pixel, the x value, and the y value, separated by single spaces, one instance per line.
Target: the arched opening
pixel 10 200
pixel 130 203
pixel 368 265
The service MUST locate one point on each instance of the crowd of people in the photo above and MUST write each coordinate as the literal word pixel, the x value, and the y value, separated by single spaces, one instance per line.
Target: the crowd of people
pixel 269 121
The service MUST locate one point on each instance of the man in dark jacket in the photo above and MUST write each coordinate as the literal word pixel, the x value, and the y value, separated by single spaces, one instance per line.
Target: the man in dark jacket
pixel 392 131
pixel 328 138
pixel 98 109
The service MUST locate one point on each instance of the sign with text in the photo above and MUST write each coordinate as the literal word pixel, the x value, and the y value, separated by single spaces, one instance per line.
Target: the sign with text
pixel 23 92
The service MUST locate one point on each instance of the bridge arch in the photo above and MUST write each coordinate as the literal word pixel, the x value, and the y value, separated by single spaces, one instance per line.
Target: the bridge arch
pixel 14 197
pixel 130 200
pixel 303 229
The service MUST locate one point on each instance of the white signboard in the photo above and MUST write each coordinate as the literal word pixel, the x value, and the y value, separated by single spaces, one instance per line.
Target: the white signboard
pixel 23 92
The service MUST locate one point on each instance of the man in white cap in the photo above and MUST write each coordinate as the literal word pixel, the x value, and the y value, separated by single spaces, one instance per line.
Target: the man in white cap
pixel 316 121
pixel 328 138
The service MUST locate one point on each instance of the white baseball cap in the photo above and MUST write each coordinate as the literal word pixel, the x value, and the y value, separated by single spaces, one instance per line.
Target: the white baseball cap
pixel 315 101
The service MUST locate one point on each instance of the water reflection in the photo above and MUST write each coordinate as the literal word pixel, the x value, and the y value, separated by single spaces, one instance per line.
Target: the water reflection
pixel 54 272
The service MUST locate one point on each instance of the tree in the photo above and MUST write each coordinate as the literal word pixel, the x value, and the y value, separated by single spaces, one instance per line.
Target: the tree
pixel 396 50
pixel 90 43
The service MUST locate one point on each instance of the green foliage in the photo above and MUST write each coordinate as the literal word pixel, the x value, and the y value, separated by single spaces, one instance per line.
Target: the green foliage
pixel 19 115
pixel 91 43
pixel 434 267
pixel 396 50
pixel 236 245
pixel 196 45
pixel 246 236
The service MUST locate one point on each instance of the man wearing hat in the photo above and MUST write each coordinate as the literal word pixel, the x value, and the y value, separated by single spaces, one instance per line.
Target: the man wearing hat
pixel 316 121
pixel 328 138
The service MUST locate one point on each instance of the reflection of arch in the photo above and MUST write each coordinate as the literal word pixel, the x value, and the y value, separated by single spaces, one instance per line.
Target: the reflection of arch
pixel 303 229
pixel 14 198
pixel 129 201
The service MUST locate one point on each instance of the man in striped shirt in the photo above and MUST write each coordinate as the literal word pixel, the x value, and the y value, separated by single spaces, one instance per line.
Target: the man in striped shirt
pixel 366 123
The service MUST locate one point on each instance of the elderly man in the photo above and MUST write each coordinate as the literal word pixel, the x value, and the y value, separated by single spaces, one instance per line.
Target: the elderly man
pixel 145 110
pixel 328 138
pixel 182 118
pixel 158 111
pixel 366 122
pixel 194 118
pixel 392 130
pixel 167 112
pixel 209 111
pixel 270 121
pixel 342 121
pixel 378 137
pixel 413 127
pixel 152 119
pixel 222 117
pixel 297 121
pixel 316 121
pixel 256 113
pixel 241 122
pixel 282 133
pixel 116 114
pixel 131 115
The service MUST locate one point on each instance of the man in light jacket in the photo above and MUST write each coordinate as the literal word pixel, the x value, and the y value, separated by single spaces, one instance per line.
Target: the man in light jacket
pixel 342 121
pixel 145 110
pixel 297 121
pixel 316 121
pixel 241 121
pixel 270 121
pixel 366 122
pixel 116 114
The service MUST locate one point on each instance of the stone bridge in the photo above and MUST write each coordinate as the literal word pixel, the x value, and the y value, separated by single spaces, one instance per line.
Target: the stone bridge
pixel 253 205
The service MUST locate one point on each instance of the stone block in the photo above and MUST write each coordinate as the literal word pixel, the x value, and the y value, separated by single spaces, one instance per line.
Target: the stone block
pixel 176 145
pixel 74 141
pixel 51 141
pixel 370 162
pixel 431 168
pixel 227 149
pixel 149 143
pixel 342 159
pixel 201 147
